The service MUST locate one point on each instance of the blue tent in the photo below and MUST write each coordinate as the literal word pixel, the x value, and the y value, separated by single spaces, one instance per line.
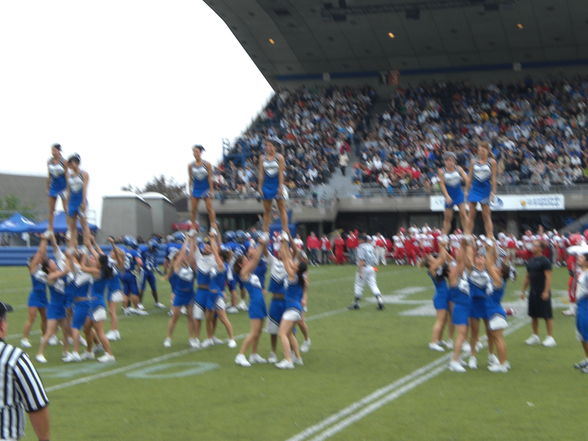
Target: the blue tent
pixel 17 223
pixel 59 224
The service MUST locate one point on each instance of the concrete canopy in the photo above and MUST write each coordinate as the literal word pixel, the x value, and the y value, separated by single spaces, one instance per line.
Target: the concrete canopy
pixel 297 39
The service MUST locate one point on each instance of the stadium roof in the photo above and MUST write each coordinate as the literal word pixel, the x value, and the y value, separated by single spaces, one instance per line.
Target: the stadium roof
pixel 301 39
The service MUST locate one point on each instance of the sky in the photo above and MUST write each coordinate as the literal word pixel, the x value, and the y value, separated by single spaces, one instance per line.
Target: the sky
pixel 129 85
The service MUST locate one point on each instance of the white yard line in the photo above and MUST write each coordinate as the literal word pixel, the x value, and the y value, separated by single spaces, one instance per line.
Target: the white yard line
pixel 369 404
pixel 155 360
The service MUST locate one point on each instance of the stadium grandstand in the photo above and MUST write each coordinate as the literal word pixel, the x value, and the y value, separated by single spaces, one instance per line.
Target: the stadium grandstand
pixel 391 85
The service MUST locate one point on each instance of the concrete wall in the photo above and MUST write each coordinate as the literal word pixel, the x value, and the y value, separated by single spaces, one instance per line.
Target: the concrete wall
pixel 126 215
pixel 163 214
pixel 30 190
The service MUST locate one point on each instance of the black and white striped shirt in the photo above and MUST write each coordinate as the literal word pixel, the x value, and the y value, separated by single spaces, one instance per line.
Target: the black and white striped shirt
pixel 21 390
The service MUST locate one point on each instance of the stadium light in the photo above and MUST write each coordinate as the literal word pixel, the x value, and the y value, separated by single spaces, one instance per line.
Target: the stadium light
pixel 520 26
pixel 391 35
pixel 271 41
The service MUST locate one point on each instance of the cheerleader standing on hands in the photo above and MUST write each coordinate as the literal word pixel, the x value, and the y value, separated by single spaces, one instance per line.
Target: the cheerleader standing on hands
pixel 200 176
pixel 56 182
pixel 481 188
pixel 451 179
pixel 77 192
pixel 271 184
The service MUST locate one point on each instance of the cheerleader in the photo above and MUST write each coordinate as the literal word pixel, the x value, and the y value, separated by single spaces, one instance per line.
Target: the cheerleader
pixel 437 271
pixel 56 313
pixel 132 264
pixel 181 278
pixel 81 287
pixel 37 301
pixel 204 265
pixel 459 294
pixel 481 188
pixel 277 289
pixel 98 267
pixel 200 176
pixel 244 267
pixel 56 182
pixel 216 302
pixel 582 308
pixel 272 168
pixel 480 285
pixel 294 306
pixel 77 192
pixel 451 180
pixel 495 312
pixel 115 294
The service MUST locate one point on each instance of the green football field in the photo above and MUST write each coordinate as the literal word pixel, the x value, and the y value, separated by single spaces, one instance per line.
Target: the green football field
pixel 369 376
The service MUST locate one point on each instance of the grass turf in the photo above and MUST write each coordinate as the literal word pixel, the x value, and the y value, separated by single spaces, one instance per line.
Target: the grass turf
pixel 153 393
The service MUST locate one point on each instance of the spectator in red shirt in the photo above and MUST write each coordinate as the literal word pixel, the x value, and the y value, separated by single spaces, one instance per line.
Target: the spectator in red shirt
pixel 352 244
pixel 313 245
pixel 339 250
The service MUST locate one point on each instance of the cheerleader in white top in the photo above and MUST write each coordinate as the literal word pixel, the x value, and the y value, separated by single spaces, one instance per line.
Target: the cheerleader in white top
pixel 37 301
pixel 495 312
pixel 582 306
pixel 481 188
pixel 56 182
pixel 271 184
pixel 295 300
pixel 244 267
pixel 202 186
pixel 452 179
pixel 77 197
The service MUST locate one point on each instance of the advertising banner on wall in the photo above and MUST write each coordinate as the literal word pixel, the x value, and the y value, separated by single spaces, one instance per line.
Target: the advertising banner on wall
pixel 514 202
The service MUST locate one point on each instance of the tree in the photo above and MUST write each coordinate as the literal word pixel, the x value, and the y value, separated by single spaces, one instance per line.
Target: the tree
pixel 11 204
pixel 160 184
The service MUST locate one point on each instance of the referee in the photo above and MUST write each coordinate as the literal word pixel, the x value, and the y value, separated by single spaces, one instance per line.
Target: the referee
pixel 21 390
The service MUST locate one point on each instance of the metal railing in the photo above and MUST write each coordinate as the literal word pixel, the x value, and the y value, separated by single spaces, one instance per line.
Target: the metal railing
pixel 376 190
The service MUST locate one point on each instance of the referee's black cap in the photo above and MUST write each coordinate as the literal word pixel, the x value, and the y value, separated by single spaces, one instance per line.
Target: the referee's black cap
pixel 4 308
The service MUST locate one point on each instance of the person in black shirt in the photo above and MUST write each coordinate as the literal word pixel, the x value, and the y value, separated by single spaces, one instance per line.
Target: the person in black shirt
pixel 538 280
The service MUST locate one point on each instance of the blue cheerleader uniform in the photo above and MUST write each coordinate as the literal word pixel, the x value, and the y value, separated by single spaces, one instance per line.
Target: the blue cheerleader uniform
pixel 582 307
pixel 294 293
pixel 257 309
pixel 271 179
pixel 182 283
pixel 76 194
pixel 481 183
pixel 82 291
pixel 480 289
pixel 460 296
pixel 218 281
pixel 454 186
pixel 38 295
pixel 441 296
pixel 277 287
pixel 57 300
pixel 493 303
pixel 57 181
pixel 200 185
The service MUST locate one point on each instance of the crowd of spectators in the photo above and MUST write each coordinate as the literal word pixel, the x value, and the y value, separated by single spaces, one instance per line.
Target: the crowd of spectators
pixel 314 125
pixel 537 130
